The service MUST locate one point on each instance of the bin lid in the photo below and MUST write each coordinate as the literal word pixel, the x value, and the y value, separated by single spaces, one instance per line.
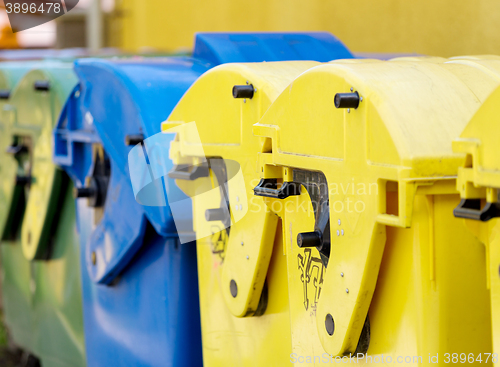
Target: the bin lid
pixel 220 48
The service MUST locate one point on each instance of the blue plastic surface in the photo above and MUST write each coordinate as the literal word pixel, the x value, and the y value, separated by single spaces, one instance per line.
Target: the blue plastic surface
pixel 258 47
pixel 140 286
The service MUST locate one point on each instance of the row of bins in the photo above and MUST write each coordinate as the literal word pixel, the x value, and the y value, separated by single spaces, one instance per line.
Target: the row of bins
pixel 103 280
pixel 225 210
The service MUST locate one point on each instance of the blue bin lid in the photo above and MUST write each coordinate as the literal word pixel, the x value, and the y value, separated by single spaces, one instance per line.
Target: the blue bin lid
pixel 221 48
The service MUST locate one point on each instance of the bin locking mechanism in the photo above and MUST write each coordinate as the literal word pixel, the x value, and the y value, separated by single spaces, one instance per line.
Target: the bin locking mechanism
pixel 471 209
pixel 222 213
pixel 268 187
pixel 188 172
pixel 19 150
pixel 97 184
pixel 134 139
pixel 320 237
pixel 317 188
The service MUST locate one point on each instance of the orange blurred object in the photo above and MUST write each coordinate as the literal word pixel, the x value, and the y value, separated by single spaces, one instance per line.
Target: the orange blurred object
pixel 8 40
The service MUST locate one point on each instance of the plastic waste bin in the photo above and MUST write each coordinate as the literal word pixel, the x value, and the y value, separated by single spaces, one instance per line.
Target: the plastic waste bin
pixel 244 311
pixel 40 260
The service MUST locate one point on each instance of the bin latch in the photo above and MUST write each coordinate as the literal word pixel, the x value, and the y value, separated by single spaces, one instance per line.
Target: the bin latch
pixel 268 187
pixel 18 150
pixel 317 188
pixel 189 172
pixel 222 213
pixel 97 184
pixel 471 209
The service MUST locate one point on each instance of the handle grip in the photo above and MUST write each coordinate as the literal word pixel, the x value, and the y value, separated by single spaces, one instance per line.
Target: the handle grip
pixel 183 172
pixel 471 209
pixel 268 187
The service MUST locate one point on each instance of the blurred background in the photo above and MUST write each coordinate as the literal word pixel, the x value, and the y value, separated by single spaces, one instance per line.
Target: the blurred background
pixel 431 27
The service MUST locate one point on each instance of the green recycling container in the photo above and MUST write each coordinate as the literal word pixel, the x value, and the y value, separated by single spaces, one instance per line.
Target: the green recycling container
pixel 41 287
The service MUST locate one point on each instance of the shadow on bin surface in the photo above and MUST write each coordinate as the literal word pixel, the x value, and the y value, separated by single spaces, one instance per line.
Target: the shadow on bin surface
pixel 140 286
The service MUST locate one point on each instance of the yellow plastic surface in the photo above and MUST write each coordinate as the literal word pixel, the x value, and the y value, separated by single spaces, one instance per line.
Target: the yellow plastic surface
pixel 480 141
pixel 7 168
pixel 479 178
pixel 232 333
pixel 391 174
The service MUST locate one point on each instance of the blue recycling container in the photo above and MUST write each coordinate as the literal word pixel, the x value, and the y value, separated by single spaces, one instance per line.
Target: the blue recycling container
pixel 140 287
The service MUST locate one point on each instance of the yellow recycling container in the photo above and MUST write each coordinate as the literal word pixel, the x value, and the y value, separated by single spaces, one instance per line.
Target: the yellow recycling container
pixel 242 275
pixel 361 172
pixel 479 183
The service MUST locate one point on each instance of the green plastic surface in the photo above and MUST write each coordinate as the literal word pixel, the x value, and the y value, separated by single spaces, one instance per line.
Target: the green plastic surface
pixel 41 287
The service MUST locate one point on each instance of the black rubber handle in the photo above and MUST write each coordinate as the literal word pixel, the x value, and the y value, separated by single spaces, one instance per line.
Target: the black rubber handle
pixel 134 139
pixel 4 94
pixel 23 180
pixel 346 100
pixel 471 209
pixel 42 85
pixel 186 172
pixel 268 187
pixel 243 91
pixel 309 239
pixel 83 192
pixel 17 149
pixel 215 214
